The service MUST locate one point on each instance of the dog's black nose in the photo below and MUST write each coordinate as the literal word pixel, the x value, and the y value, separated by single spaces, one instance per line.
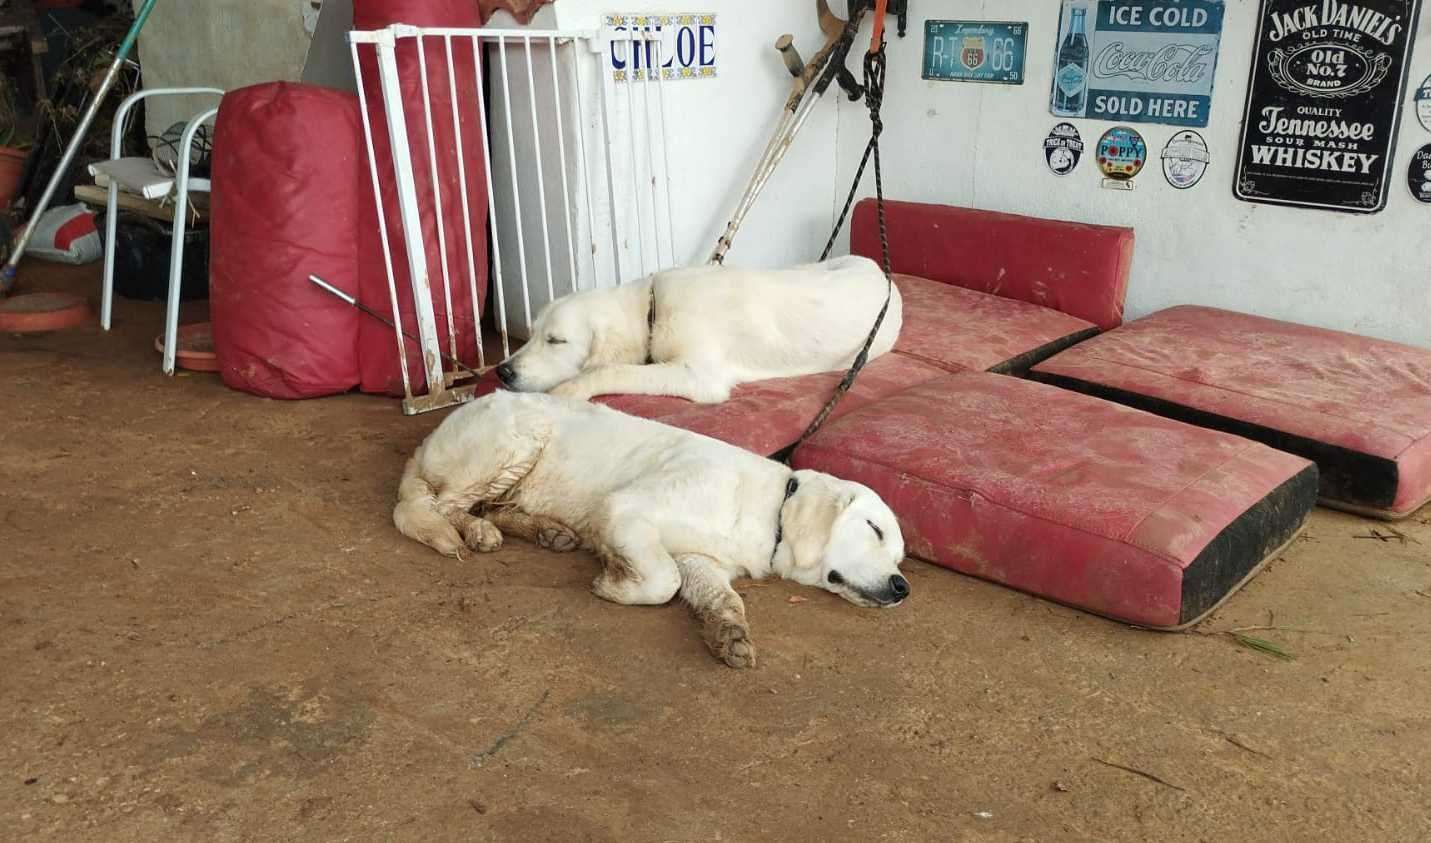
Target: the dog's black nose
pixel 899 587
pixel 506 374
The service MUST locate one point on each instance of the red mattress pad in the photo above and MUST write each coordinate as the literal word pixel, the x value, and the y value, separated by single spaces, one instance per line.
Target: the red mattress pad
pixel 1359 407
pixel 1086 502
pixel 766 417
pixel 957 329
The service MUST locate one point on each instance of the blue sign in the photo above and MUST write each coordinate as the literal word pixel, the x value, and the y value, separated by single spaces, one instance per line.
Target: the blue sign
pixel 975 51
pixel 1122 152
pixel 1137 61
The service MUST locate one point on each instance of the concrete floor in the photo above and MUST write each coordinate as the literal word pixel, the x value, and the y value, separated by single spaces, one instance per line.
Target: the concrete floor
pixel 210 630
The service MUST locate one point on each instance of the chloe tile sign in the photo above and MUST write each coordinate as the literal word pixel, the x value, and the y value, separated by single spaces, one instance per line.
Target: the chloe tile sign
pixel 1137 61
pixel 1324 103
pixel 684 46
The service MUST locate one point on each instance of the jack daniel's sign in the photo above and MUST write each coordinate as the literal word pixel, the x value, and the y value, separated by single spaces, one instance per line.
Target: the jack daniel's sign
pixel 1324 102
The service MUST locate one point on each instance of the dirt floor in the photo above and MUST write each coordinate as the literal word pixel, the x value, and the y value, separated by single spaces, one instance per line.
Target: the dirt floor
pixel 210 630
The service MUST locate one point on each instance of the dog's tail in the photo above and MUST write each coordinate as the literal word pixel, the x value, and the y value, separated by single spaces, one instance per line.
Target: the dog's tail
pixel 418 517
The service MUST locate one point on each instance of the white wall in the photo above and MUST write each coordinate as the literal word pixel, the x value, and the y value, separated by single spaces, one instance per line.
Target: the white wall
pixel 715 128
pixel 981 146
pixel 718 128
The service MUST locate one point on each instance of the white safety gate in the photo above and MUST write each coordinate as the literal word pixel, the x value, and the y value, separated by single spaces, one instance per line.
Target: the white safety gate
pixel 577 179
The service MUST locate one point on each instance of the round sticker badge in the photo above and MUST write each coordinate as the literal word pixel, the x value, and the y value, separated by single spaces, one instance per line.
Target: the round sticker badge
pixel 1423 103
pixel 1121 154
pixel 1062 149
pixel 1418 178
pixel 1185 159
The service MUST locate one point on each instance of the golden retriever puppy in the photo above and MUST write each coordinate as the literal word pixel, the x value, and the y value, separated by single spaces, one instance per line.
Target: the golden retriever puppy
pixel 696 332
pixel 667 511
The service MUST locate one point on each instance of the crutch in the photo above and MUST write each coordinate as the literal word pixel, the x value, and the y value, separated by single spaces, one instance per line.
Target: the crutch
pixel 814 77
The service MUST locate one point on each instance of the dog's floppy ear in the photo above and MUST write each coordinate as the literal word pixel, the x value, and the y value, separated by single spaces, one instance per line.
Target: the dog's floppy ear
pixel 618 325
pixel 809 517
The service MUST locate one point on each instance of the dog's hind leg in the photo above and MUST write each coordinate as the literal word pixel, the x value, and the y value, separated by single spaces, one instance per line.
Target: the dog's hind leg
pixel 537 529
pixel 438 491
pixel 678 379
pixel 638 570
pixel 707 590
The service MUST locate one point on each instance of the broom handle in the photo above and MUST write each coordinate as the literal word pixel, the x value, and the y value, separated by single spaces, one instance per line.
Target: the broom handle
pixel 7 275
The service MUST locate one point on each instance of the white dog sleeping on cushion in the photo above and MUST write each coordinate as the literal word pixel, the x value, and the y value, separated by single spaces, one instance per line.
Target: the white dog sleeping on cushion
pixel 666 510
pixel 697 332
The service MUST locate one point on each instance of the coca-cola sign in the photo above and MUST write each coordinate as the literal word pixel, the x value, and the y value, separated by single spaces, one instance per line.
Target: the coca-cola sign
pixel 1139 61
pixel 1324 102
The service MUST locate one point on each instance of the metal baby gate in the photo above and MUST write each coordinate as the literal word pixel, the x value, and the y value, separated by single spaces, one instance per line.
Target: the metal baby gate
pixel 567 208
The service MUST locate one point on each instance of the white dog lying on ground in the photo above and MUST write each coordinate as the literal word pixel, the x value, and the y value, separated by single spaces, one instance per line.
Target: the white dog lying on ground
pixel 697 332
pixel 666 510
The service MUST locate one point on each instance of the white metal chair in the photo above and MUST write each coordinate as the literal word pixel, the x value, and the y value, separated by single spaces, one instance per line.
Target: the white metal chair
pixel 142 176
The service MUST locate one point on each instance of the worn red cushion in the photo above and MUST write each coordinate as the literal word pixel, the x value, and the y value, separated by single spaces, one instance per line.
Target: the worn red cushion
pixel 1359 407
pixel 1106 508
pixel 1079 269
pixel 956 329
pixel 767 416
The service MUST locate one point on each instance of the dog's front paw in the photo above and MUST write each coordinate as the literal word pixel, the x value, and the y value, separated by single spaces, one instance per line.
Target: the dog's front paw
pixel 730 642
pixel 558 538
pixel 710 394
pixel 482 535
pixel 573 390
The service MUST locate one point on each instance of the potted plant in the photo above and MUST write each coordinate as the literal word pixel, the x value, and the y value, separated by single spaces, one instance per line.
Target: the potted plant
pixel 15 142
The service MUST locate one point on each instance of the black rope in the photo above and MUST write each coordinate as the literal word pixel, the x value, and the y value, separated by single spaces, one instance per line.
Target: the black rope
pixel 874 98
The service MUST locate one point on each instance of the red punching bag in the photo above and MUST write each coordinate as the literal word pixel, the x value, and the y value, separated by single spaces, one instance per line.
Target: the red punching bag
pixel 286 197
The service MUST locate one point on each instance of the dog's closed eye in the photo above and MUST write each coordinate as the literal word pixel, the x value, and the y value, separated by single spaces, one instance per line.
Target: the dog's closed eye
pixel 555 341
pixel 878 532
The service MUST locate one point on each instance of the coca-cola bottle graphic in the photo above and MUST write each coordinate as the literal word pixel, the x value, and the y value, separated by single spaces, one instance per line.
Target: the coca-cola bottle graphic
pixel 1070 80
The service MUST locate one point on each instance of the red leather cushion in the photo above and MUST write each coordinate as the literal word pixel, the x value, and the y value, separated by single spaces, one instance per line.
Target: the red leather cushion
pixel 1079 269
pixel 1080 500
pixel 956 329
pixel 1360 407
pixel 767 416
